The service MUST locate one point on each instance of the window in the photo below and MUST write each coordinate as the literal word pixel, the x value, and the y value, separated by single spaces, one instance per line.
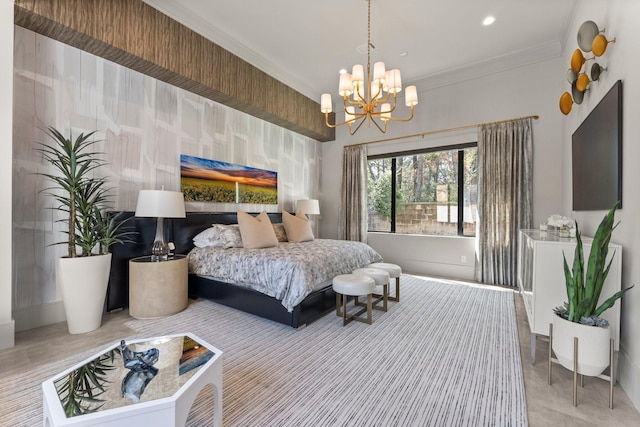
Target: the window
pixel 427 192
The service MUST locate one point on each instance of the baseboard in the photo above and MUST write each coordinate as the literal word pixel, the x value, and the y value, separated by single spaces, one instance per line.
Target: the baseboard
pixel 39 315
pixel 629 377
pixel 452 271
pixel 7 334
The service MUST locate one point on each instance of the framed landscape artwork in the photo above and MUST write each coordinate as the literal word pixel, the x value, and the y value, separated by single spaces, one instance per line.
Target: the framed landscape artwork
pixel 204 180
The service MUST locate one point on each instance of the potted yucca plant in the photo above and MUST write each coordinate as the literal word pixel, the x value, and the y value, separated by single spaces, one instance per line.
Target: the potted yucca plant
pixel 580 315
pixel 83 274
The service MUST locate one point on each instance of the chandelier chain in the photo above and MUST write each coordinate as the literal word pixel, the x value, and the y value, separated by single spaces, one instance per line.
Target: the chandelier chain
pixel 368 36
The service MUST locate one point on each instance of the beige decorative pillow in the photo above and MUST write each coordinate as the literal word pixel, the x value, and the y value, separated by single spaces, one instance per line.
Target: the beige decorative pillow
pixel 257 232
pixel 298 227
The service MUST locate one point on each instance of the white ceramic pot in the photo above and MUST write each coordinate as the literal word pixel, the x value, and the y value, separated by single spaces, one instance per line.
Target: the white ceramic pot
pixel 83 282
pixel 593 346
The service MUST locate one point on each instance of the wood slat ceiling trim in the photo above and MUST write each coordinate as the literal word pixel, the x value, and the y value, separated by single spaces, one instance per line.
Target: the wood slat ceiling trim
pixel 137 36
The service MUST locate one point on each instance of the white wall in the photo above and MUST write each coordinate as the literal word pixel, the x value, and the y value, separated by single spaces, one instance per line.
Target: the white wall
pixel 531 89
pixel 144 125
pixel 6 130
pixel 619 18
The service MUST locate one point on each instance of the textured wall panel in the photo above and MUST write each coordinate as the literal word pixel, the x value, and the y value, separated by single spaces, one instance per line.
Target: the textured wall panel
pixel 145 125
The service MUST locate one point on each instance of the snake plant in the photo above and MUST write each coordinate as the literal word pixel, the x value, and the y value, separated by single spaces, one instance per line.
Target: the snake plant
pixel 584 286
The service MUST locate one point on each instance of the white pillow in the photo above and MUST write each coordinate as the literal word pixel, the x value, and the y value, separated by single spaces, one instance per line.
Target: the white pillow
pixel 298 227
pixel 257 232
pixel 208 238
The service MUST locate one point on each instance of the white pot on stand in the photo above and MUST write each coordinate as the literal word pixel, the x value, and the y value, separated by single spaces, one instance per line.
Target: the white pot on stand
pixel 593 346
pixel 83 282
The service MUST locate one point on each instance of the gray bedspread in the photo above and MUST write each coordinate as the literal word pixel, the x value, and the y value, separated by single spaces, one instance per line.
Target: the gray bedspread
pixel 287 272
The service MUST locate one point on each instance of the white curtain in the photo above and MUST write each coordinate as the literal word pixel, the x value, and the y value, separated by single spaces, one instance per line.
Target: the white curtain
pixel 505 195
pixel 353 209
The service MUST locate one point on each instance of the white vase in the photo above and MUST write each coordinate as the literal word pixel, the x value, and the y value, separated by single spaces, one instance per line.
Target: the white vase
pixel 83 282
pixel 593 346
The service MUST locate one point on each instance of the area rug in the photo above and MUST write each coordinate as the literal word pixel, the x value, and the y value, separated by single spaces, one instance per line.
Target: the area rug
pixel 446 355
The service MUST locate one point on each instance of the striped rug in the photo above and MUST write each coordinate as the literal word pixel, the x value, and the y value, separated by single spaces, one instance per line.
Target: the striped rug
pixel 446 355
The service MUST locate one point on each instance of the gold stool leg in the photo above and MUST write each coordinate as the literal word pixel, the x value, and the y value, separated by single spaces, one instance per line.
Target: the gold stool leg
pixel 396 298
pixel 385 296
pixel 344 311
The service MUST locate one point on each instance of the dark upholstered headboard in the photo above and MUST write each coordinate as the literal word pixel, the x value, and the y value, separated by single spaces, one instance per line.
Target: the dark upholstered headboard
pixel 180 231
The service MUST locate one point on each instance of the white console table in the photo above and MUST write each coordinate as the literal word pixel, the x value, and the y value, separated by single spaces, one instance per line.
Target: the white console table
pixel 542 284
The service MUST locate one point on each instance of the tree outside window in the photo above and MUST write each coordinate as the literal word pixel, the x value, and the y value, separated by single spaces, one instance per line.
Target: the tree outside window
pixel 433 192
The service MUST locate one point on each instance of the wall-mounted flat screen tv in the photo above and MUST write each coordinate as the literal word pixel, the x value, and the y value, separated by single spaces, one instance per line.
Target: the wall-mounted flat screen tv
pixel 597 155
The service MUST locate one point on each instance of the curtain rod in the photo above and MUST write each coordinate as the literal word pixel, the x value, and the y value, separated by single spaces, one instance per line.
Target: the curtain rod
pixel 423 134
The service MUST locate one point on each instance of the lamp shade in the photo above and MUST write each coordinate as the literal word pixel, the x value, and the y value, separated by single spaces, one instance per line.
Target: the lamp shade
pixel 385 111
pixel 350 113
pixel 411 96
pixel 325 103
pixel 357 74
pixel 160 204
pixel 345 86
pixel 308 206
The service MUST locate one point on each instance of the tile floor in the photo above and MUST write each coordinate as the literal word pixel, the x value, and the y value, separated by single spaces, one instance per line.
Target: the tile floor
pixel 547 405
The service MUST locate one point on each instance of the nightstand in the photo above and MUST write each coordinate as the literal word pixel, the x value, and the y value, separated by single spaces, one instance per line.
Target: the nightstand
pixel 157 288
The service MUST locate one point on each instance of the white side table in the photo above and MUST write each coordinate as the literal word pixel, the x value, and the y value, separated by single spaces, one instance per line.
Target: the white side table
pixel 184 366
pixel 158 288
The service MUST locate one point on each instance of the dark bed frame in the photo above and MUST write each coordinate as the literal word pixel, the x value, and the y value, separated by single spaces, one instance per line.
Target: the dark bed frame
pixel 181 232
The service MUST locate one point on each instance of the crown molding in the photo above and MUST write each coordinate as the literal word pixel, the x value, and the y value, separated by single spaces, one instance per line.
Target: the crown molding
pixel 490 66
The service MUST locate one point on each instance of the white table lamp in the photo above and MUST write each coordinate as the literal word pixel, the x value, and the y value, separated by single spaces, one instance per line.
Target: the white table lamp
pixel 160 204
pixel 308 206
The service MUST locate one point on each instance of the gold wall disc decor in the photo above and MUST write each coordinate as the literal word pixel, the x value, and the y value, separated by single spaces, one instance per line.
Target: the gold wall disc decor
pixel 579 75
pixel 577 60
pixel 582 82
pixel 566 102
pixel 599 44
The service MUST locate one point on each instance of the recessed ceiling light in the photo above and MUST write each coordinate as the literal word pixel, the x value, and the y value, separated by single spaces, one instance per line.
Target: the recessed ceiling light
pixel 488 20
pixel 403 53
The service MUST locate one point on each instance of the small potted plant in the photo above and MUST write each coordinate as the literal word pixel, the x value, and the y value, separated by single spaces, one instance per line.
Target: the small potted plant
pixel 580 316
pixel 83 274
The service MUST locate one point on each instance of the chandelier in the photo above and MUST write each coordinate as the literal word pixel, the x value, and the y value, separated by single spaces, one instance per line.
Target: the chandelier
pixel 372 100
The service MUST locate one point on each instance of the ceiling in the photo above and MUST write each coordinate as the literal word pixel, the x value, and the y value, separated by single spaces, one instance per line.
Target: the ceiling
pixel 305 43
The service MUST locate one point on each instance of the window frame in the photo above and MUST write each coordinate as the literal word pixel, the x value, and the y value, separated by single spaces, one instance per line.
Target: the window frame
pixel 460 187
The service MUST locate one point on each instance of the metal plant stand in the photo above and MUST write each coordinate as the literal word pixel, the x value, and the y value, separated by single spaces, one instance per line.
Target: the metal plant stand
pixel 610 377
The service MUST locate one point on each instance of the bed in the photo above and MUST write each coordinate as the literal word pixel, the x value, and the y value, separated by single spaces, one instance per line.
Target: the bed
pixel 310 266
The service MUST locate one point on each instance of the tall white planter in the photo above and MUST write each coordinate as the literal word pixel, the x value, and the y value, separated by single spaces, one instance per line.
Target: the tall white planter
pixel 593 346
pixel 83 281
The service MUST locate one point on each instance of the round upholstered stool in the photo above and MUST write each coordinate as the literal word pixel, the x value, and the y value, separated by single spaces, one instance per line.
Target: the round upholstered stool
pixel 353 285
pixel 381 277
pixel 394 273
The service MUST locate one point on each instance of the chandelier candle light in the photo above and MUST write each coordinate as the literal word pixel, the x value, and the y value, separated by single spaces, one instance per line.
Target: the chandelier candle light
pixel 369 102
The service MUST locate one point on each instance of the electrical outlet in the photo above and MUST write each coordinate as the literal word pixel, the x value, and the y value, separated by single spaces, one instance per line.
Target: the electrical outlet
pixel 463 259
